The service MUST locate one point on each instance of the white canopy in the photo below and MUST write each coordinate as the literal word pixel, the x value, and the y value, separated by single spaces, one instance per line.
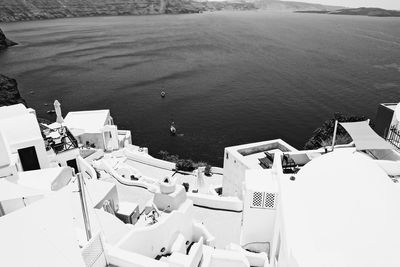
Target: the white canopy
pixel 364 137
pixel 54 125
pixel 9 191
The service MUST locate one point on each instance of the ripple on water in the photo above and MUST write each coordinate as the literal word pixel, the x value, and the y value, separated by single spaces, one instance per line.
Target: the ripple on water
pixel 230 77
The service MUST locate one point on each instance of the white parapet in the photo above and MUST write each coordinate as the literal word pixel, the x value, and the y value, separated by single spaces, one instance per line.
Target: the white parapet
pixel 216 202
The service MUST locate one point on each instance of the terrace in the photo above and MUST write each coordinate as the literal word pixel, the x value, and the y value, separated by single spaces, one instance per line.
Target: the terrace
pixel 260 155
pixel 292 162
pixel 393 137
pixel 58 138
pixel 220 223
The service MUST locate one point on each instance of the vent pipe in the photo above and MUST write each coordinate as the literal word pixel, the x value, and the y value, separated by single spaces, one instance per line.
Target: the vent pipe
pixel 84 206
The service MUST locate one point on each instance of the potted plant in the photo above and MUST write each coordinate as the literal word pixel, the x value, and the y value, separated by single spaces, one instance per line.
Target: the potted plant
pixel 207 170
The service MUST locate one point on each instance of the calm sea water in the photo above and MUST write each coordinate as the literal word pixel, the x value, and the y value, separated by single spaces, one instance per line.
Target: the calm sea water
pixel 230 77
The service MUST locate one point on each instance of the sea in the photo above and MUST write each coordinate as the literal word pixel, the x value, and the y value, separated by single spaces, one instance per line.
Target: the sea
pixel 230 77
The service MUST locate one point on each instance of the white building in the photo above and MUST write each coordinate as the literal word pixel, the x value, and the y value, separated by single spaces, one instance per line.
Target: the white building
pixel 238 159
pixel 259 210
pixel 20 133
pixel 340 209
pixel 327 208
pixel 96 129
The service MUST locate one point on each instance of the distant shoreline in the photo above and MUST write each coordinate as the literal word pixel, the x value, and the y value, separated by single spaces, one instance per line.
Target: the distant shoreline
pixel 363 11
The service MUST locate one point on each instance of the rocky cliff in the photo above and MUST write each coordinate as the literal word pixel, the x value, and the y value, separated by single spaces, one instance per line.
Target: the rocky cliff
pixel 322 136
pixel 4 42
pixel 9 94
pixel 19 10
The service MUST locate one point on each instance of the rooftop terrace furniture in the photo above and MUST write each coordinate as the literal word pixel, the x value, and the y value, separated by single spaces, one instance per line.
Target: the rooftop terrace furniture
pixel 288 162
pixel 63 142
pixel 289 165
pixel 265 163
pixel 269 156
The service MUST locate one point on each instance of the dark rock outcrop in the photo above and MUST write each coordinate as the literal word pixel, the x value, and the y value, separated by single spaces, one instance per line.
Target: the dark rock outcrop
pixel 322 136
pixel 9 93
pixel 4 42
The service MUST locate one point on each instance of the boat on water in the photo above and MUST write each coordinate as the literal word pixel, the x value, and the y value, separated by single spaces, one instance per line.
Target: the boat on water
pixel 271 205
pixel 172 128
pixel 162 94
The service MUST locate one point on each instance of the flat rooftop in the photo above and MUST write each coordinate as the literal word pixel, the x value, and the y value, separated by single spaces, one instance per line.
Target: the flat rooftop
pixel 7 112
pixel 92 120
pixel 252 161
pixel 248 154
pixel 259 147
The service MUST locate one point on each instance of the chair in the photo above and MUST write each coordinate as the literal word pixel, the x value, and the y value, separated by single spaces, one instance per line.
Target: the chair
pixel 269 156
pixel 288 162
pixel 265 163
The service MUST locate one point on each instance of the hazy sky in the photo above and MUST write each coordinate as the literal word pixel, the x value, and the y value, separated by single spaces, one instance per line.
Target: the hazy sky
pixel 388 4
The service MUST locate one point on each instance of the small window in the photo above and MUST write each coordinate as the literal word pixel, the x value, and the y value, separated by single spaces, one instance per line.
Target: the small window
pixel 73 164
pixel 227 156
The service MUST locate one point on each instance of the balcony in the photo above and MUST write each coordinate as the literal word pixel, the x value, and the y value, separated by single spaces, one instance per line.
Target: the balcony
pixel 59 139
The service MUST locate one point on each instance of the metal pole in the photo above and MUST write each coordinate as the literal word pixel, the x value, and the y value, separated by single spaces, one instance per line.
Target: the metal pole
pixel 84 206
pixel 334 135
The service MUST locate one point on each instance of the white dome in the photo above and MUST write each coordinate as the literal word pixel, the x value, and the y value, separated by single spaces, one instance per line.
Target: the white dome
pixel 342 206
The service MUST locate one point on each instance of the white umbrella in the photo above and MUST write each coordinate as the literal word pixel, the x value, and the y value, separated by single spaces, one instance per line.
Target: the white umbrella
pixel 54 135
pixel 57 108
pixel 54 125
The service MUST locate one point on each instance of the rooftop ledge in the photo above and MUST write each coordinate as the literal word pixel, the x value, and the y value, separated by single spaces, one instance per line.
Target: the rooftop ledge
pixel 254 148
